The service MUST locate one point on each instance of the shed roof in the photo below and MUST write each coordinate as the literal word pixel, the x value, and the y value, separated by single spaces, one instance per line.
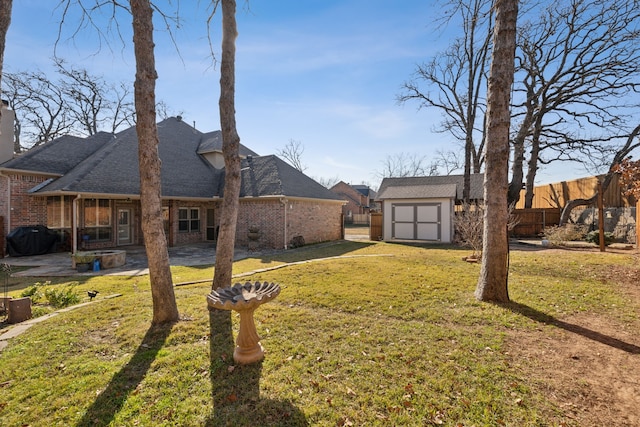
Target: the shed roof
pixel 442 191
pixel 423 183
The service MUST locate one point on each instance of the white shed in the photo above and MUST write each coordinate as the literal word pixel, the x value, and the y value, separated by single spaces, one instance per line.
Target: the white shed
pixel 422 208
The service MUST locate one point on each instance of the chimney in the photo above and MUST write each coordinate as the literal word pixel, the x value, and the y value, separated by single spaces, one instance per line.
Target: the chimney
pixel 6 132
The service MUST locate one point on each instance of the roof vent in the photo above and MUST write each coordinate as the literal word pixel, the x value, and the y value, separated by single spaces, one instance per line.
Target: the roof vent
pixel 179 118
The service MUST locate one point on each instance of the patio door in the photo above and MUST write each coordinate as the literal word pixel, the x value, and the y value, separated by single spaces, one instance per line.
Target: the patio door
pixel 210 225
pixel 125 234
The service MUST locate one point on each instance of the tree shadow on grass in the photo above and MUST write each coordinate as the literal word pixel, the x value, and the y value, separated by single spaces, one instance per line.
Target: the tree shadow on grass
pixel 541 317
pixel 110 401
pixel 235 389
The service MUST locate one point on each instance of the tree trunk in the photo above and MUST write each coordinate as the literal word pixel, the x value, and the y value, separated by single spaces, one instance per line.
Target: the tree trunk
pixel 230 149
pixel 532 166
pixel 165 308
pixel 5 21
pixel 492 283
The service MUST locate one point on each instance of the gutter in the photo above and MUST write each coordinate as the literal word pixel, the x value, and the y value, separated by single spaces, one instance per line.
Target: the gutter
pixel 8 216
pixel 285 202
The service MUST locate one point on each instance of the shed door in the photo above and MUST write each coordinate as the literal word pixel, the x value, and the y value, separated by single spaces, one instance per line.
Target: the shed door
pixel 416 221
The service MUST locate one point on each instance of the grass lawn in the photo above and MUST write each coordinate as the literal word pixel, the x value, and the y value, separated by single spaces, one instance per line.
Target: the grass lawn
pixel 377 334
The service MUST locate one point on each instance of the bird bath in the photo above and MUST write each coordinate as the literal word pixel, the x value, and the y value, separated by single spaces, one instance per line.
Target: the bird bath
pixel 245 299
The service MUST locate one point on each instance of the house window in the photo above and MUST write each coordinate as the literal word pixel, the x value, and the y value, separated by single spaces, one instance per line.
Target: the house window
pixel 188 220
pixel 97 219
pixel 59 212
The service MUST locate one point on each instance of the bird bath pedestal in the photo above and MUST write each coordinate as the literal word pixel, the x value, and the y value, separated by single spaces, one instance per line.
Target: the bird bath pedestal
pixel 245 299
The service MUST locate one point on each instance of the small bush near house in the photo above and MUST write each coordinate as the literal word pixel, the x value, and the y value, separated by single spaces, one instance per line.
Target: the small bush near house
pixel 64 297
pixel 557 235
pixel 469 226
pixel 594 237
pixel 34 292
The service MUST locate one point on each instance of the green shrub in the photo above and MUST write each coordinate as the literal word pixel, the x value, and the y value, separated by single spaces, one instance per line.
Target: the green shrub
pixel 34 291
pixel 594 237
pixel 64 297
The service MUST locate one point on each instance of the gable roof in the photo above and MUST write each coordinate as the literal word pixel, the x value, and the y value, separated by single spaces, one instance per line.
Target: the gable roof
pixel 365 190
pixel 212 142
pixel 446 186
pixel 110 167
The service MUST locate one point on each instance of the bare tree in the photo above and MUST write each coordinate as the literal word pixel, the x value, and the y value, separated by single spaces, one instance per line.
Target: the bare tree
pixel 457 77
pixel 327 182
pixel 40 108
pixel 577 71
pixel 292 153
pixel 492 283
pixel 448 162
pixel 631 144
pixel 77 102
pixel 406 164
pixel 230 148
pixel 93 103
pixel 165 309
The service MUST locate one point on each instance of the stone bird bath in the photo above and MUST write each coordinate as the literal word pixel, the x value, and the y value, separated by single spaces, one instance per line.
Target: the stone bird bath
pixel 245 299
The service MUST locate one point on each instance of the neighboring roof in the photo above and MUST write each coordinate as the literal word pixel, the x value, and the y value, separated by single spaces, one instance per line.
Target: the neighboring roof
pixel 421 184
pixel 112 167
pixel 365 190
pixel 212 142
pixel 59 156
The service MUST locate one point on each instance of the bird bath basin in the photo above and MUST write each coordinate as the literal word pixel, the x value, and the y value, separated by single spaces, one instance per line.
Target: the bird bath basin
pixel 245 299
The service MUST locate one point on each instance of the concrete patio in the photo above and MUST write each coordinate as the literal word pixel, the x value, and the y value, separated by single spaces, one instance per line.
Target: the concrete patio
pixel 59 264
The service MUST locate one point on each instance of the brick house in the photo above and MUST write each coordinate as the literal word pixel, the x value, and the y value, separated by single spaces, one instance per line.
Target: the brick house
pixel 87 190
pixel 360 199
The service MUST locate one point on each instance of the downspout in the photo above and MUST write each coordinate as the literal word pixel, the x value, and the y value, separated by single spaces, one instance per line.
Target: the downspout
pixel 74 225
pixel 284 203
pixel 8 221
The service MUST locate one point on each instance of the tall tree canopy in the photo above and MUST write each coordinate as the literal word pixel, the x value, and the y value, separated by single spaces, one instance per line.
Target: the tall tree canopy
pixel 454 82
pixel 577 75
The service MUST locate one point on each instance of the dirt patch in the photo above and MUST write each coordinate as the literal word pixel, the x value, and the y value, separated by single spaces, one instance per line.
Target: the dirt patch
pixel 587 365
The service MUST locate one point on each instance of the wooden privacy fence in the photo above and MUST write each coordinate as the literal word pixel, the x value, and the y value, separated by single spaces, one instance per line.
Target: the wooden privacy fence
pixel 532 222
pixel 557 195
pixel 375 226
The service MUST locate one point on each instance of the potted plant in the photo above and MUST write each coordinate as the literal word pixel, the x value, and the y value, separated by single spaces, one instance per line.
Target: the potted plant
pixel 254 233
pixel 81 261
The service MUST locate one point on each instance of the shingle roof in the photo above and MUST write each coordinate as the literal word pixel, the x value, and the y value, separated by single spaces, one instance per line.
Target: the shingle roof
pixel 272 176
pixel 212 142
pixel 59 156
pixel 419 187
pixel 442 191
pixel 112 167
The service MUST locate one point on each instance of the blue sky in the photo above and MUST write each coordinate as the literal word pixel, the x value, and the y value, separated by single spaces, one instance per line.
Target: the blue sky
pixel 322 72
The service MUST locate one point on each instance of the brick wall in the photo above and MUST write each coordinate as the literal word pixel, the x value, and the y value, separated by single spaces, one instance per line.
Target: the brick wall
pixel 315 221
pixel 185 238
pixel 22 209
